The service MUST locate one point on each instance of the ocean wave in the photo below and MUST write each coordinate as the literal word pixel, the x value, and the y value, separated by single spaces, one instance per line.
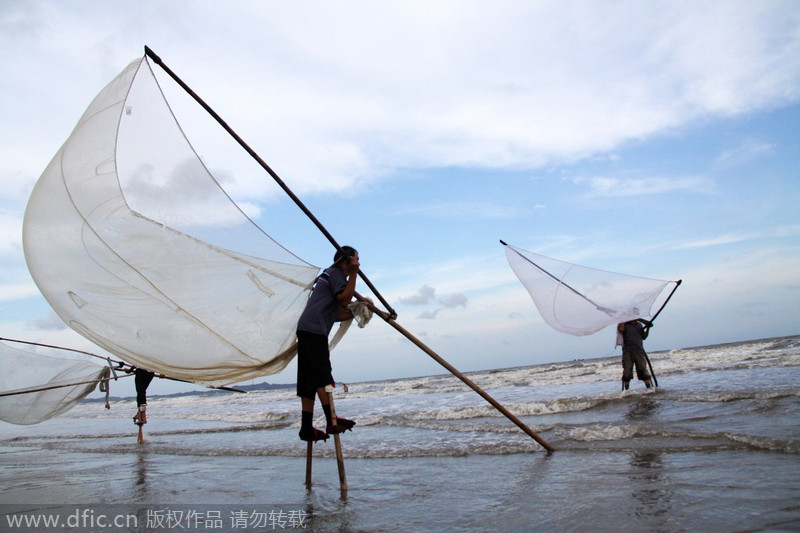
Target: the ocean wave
pixel 737 395
pixel 676 438
pixel 766 443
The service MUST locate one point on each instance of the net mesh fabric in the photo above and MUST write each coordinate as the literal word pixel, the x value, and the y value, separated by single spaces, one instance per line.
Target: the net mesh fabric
pixel 136 246
pixel 579 300
pixel 38 387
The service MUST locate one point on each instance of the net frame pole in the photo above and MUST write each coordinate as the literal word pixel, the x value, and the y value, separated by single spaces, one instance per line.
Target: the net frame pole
pixel 647 358
pixel 60 386
pixel 121 365
pixel 157 60
pixel 652 373
pixel 599 307
pixel 675 288
pixel 389 316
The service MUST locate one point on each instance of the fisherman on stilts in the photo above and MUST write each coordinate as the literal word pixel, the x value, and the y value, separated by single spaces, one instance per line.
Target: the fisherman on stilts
pixel 333 291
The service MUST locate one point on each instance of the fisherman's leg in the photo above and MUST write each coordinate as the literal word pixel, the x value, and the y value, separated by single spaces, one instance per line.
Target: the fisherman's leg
pixel 306 414
pixel 335 424
pixel 307 430
pixel 142 379
pixel 641 368
pixel 627 369
pixel 306 388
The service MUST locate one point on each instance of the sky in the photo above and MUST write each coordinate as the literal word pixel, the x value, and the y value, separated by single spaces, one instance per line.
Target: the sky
pixel 659 139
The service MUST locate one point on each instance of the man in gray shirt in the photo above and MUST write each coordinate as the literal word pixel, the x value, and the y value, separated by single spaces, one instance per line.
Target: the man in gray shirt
pixel 333 291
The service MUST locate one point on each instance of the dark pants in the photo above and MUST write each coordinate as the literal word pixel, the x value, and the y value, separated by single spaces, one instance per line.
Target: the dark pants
pixel 313 364
pixel 142 380
pixel 631 357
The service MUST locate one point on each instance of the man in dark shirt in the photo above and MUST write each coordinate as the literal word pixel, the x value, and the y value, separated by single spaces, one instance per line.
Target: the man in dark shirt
pixel 333 291
pixel 633 333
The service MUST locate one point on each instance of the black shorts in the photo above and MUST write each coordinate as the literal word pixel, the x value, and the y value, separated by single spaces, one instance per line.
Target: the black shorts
pixel 313 364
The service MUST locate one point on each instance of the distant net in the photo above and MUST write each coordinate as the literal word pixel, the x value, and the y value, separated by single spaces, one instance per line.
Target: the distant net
pixel 35 387
pixel 137 247
pixel 580 300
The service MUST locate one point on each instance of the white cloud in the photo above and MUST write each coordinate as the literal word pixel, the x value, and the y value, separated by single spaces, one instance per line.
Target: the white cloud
pixel 52 322
pixel 747 150
pixel 730 238
pixel 423 296
pixel 428 315
pixel 454 300
pixel 11 291
pixel 340 95
pixel 608 187
pixel 10 234
pixel 476 210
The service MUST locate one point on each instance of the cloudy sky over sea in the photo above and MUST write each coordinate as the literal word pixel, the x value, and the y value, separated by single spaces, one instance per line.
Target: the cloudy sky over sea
pixel 660 139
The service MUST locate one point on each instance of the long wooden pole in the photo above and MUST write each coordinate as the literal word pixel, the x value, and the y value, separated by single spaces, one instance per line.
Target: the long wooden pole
pixel 471 384
pixel 387 316
pixel 149 53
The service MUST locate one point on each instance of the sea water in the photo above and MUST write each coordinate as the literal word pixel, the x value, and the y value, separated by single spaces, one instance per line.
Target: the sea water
pixel 715 447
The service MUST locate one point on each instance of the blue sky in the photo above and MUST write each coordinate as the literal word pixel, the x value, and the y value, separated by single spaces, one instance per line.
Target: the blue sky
pixel 660 139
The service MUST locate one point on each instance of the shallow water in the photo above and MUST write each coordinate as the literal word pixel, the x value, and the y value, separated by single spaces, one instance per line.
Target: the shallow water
pixel 714 448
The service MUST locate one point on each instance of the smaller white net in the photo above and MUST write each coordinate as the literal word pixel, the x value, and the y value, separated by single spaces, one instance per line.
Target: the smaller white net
pixel 580 300
pixel 36 387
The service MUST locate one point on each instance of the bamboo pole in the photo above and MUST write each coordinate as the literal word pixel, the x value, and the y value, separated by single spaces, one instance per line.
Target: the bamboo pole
pixel 338 444
pixel 385 316
pixel 121 365
pixel 309 460
pixel 597 306
pixel 152 55
pixel 51 387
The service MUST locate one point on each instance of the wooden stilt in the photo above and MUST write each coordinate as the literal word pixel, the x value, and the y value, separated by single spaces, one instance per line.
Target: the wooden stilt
pixel 337 441
pixel 140 420
pixel 309 459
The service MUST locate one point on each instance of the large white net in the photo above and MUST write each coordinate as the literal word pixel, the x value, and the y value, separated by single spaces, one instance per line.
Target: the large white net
pixel 580 300
pixel 36 387
pixel 137 247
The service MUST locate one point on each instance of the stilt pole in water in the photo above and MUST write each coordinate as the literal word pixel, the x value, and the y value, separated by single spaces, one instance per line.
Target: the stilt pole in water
pixel 309 461
pixel 337 441
pixel 140 420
